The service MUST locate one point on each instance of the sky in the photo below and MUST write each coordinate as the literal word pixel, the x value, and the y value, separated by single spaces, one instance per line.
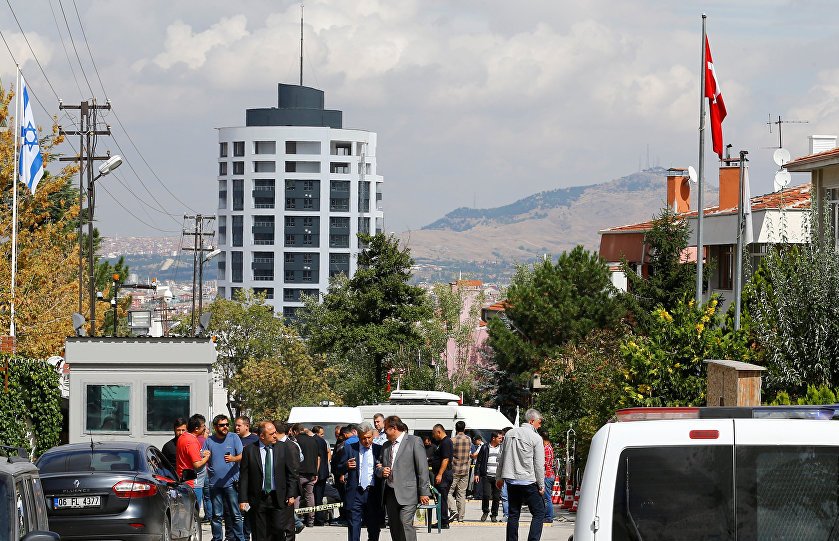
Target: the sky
pixel 476 103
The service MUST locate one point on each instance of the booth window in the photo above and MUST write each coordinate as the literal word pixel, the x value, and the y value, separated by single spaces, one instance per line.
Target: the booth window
pixel 164 404
pixel 108 408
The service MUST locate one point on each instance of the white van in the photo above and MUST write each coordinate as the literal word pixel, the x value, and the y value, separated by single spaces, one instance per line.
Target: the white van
pixel 325 416
pixel 421 410
pixel 713 473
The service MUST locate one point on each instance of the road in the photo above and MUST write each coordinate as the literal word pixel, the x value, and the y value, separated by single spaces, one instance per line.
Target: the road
pixel 471 529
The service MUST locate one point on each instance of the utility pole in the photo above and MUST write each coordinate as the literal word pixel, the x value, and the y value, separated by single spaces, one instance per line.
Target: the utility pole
pixel 199 223
pixel 87 133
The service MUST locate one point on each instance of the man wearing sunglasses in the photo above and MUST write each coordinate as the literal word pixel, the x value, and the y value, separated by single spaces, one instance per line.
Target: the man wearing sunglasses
pixel 223 475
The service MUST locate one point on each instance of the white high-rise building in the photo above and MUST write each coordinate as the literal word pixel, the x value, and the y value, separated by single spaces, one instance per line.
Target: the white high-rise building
pixel 294 189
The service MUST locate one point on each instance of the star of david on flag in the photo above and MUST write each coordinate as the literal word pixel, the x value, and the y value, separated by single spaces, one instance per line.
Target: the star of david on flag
pixel 30 163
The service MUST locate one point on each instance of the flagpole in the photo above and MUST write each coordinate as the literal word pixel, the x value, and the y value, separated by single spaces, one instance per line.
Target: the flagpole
pixel 18 98
pixel 701 173
pixel 741 227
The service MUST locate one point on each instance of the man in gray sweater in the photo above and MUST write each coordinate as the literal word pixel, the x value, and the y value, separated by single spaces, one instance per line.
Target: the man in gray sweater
pixel 522 466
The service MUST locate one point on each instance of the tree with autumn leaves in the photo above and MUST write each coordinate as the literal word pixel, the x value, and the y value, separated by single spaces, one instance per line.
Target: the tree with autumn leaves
pixel 46 292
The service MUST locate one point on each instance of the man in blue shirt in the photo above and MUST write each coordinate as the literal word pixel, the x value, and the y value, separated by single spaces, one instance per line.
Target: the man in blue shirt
pixel 363 488
pixel 223 471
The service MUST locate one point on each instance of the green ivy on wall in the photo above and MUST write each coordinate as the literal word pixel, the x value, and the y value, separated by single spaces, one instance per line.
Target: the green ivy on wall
pixel 31 404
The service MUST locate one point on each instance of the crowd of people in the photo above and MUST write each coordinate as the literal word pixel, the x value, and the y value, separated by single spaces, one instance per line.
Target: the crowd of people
pixel 265 482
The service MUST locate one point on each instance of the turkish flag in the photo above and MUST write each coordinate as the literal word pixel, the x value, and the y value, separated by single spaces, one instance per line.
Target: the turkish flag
pixel 715 103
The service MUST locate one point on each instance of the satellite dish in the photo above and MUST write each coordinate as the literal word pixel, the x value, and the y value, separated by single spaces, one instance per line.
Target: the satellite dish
pixel 782 179
pixel 692 174
pixel 781 156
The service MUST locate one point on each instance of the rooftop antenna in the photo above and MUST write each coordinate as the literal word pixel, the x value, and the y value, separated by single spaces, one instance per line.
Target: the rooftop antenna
pixel 779 123
pixel 301 43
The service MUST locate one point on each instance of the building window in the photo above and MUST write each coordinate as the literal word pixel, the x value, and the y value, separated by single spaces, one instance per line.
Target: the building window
pixel 290 203
pixel 164 403
pixel 290 185
pixel 222 168
pixel 238 230
pixel 308 185
pixel 109 408
pixel 289 221
pixel 290 240
pixel 339 241
pixel 289 258
pixel 237 262
pixel 289 276
pixel 308 221
pixel 238 168
pixel 264 147
pixel 726 266
pixel 308 203
pixel 264 167
pixel 222 150
pixel 307 239
pixel 288 294
pixel 238 148
pixel 307 259
pixel 267 291
pixel 307 276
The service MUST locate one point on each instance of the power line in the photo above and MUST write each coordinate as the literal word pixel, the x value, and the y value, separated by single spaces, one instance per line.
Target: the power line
pixel 134 215
pixel 73 43
pixel 30 48
pixel 64 46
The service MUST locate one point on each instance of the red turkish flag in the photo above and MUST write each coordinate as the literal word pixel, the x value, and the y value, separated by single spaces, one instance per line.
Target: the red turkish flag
pixel 715 103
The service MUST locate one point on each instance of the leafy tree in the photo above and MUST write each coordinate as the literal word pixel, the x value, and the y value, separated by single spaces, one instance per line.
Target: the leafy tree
pixel 47 258
pixel 366 319
pixel 670 279
pixel 451 329
pixel 795 315
pixel 666 368
pixel 268 387
pixel 583 386
pixel 30 411
pixel 245 329
pixel 550 305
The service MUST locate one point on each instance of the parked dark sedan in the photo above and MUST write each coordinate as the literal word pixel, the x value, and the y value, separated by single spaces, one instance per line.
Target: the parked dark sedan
pixel 117 490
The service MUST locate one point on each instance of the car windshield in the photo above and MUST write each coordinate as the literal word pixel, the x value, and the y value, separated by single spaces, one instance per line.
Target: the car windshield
pixel 86 460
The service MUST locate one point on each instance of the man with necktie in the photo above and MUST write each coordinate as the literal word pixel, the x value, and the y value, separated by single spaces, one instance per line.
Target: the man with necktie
pixel 404 469
pixel 268 486
pixel 363 488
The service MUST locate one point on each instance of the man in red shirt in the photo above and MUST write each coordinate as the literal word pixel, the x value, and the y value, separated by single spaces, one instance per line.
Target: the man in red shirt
pixel 189 454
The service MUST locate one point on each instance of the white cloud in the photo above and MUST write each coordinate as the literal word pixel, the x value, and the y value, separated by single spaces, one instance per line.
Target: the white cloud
pixel 190 48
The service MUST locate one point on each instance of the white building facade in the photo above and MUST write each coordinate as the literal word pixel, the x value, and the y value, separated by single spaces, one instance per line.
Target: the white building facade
pixel 294 189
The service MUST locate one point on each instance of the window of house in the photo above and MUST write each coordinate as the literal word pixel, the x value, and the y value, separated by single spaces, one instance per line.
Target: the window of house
pixel 289 276
pixel 308 203
pixel 307 239
pixel 307 259
pixel 289 221
pixel 290 203
pixel 308 221
pixel 109 408
pixel 264 147
pixel 222 150
pixel 222 168
pixel 289 258
pixel 238 148
pixel 290 240
pixel 290 185
pixel 726 267
pixel 288 294
pixel 164 403
pixel 307 276
pixel 238 168
pixel 308 185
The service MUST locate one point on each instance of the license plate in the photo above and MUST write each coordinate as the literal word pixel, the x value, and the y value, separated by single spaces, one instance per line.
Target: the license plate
pixel 76 502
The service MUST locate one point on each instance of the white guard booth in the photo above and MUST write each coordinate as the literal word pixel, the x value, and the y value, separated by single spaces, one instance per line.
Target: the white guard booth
pixel 133 388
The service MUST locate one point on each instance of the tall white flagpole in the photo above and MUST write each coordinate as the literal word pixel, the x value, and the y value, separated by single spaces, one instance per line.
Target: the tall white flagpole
pixel 18 115
pixel 701 166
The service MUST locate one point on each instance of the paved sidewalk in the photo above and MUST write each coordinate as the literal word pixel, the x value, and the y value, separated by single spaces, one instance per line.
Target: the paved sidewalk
pixel 559 530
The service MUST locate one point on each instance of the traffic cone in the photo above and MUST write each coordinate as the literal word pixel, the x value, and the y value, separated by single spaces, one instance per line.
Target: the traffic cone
pixel 556 492
pixel 568 502
pixel 576 504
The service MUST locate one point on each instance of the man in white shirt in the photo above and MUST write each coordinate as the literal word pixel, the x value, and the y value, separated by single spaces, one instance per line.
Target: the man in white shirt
pixel 404 468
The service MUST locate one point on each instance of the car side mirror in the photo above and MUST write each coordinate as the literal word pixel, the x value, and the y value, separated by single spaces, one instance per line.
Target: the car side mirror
pixel 188 475
pixel 41 536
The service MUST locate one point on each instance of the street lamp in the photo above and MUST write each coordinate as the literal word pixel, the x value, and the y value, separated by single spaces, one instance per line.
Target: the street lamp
pixel 109 165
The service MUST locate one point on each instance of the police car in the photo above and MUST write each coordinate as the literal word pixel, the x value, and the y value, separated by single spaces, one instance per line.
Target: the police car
pixel 713 473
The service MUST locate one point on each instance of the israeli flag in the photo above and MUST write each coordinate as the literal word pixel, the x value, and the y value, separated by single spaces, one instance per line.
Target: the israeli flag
pixel 31 163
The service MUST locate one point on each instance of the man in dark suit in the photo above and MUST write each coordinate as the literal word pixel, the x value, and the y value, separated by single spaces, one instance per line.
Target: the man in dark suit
pixel 270 496
pixel 323 472
pixel 363 488
pixel 404 469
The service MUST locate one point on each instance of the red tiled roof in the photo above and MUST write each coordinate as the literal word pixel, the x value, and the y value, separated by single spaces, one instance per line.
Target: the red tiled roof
pixel 803 160
pixel 469 283
pixel 795 198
